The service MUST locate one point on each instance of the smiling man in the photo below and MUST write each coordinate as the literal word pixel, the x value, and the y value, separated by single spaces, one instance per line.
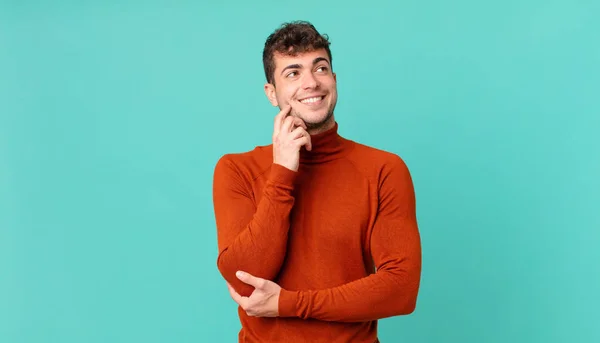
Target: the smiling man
pixel 317 234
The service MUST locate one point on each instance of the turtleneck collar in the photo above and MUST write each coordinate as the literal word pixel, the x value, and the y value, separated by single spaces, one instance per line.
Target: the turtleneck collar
pixel 326 146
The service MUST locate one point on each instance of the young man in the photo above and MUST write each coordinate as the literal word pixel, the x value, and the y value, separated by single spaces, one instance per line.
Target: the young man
pixel 317 234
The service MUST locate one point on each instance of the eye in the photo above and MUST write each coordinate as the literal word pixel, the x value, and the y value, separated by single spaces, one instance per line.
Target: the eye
pixel 322 68
pixel 292 74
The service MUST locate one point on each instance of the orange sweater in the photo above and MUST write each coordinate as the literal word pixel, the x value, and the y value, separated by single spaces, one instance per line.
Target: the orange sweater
pixel 320 233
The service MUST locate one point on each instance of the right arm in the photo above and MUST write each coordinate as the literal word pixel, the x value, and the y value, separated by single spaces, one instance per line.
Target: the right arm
pixel 253 238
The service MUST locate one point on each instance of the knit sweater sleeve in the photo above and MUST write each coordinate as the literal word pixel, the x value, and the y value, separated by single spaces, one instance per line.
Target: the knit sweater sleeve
pixel 251 237
pixel 396 250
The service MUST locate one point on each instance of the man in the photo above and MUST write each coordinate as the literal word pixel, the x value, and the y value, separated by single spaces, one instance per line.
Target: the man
pixel 317 234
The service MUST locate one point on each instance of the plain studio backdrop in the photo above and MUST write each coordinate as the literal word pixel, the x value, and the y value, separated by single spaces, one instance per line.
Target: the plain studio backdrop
pixel 114 113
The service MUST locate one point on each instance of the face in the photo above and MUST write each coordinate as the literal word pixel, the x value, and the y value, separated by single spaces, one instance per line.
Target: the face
pixel 307 83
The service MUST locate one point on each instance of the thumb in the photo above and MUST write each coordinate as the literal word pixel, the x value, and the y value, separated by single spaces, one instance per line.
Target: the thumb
pixel 249 279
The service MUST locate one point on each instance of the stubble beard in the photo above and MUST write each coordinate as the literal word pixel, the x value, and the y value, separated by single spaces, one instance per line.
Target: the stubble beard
pixel 315 126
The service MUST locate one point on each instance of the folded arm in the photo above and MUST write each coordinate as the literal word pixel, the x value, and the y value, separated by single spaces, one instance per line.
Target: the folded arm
pixel 252 238
pixel 395 246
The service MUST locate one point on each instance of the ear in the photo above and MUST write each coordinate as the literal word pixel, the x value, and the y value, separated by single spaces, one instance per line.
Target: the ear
pixel 334 77
pixel 271 95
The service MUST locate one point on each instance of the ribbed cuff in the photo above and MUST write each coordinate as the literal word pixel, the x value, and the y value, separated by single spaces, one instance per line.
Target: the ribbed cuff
pixel 282 175
pixel 287 303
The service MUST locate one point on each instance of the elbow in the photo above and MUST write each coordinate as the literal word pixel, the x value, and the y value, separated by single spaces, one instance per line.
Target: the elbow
pixel 397 304
pixel 405 305
pixel 406 295
pixel 227 269
pixel 223 266
pixel 229 262
pixel 409 306
pixel 407 286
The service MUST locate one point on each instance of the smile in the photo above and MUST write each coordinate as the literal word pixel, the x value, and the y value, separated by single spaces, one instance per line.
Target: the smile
pixel 312 100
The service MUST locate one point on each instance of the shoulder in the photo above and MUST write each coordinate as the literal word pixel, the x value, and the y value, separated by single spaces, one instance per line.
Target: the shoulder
pixel 376 162
pixel 386 170
pixel 248 164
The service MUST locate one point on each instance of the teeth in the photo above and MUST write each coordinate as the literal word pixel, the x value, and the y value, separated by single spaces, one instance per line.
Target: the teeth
pixel 310 100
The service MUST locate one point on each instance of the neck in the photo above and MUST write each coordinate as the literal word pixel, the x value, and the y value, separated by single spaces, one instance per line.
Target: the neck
pixel 327 125
pixel 327 145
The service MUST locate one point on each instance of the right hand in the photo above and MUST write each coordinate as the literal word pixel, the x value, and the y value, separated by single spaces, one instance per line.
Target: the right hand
pixel 289 135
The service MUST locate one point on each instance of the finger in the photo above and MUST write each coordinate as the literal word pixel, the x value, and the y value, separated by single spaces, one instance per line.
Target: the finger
pixel 235 295
pixel 300 123
pixel 240 300
pixel 308 140
pixel 254 281
pixel 304 140
pixel 287 124
pixel 298 132
pixel 279 118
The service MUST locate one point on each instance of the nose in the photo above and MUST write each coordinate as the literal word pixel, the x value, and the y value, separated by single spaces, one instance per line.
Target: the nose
pixel 309 81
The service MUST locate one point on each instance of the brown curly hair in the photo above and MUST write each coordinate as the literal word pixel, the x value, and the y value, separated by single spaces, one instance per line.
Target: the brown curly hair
pixel 291 39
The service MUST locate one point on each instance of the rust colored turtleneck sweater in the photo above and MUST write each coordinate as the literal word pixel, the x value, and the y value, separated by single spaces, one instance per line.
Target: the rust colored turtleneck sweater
pixel 320 233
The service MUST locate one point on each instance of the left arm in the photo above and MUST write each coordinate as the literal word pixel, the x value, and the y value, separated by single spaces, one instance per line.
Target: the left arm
pixel 396 251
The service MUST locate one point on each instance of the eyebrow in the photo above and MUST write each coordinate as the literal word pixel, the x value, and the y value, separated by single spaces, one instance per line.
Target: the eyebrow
pixel 298 66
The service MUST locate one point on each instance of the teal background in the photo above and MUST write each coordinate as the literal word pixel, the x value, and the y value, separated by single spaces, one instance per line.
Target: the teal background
pixel 114 113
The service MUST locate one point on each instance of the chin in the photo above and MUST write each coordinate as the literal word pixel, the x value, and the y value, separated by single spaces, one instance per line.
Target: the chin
pixel 314 120
pixel 313 117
